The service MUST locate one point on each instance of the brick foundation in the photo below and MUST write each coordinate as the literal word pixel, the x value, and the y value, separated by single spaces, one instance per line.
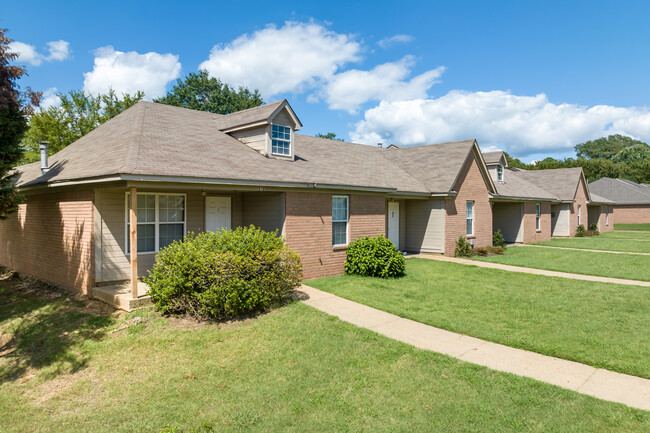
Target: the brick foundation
pixel 632 214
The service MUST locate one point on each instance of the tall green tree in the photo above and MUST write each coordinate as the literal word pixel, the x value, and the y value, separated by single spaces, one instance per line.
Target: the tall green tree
pixel 199 91
pixel 637 153
pixel 605 147
pixel 14 107
pixel 76 115
pixel 329 135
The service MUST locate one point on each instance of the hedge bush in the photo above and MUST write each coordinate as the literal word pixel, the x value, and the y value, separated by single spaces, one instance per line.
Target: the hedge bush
pixel 581 232
pixel 225 274
pixel 463 248
pixel 498 240
pixel 374 257
pixel 593 228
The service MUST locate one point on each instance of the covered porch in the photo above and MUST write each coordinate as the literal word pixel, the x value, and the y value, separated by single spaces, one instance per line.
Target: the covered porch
pixel 133 222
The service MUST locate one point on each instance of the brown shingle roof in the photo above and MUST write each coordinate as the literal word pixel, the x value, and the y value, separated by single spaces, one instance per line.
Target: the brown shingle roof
pixel 562 183
pixel 249 116
pixel 515 185
pixel 621 191
pixel 492 158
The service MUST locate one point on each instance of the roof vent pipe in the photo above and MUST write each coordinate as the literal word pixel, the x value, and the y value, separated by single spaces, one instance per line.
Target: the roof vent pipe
pixel 43 145
pixel 380 144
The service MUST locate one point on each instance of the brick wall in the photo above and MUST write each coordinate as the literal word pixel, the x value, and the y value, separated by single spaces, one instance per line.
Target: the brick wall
pixel 580 199
pixel 632 214
pixel 530 225
pixel 470 185
pixel 308 228
pixel 51 238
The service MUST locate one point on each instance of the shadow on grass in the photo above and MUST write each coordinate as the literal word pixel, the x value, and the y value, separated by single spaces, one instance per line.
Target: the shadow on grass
pixel 44 331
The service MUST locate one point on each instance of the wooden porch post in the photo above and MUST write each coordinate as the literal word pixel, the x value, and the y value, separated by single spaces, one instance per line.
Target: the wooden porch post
pixel 133 231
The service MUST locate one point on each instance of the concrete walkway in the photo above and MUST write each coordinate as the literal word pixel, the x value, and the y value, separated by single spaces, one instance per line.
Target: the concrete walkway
pixel 534 271
pixel 583 249
pixel 604 384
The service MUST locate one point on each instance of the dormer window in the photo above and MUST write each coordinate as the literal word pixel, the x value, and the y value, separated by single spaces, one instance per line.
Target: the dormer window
pixel 280 140
pixel 499 173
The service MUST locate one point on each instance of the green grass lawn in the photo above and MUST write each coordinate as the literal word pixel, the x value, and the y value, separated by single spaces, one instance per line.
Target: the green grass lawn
pixel 604 325
pixel 626 266
pixel 637 235
pixel 605 242
pixel 643 227
pixel 62 368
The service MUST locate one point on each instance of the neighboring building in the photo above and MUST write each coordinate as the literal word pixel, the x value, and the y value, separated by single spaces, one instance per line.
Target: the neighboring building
pixel 630 200
pixel 172 170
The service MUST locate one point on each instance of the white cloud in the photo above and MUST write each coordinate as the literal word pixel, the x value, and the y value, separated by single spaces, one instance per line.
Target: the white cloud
pixel 49 98
pixel 348 90
pixel 393 40
pixel 128 72
pixel 27 53
pixel 59 50
pixel 524 125
pixel 291 58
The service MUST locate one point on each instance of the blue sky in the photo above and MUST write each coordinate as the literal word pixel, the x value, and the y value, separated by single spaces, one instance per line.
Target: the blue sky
pixel 533 78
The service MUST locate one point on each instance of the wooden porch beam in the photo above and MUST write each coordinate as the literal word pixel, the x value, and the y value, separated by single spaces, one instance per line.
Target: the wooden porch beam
pixel 133 232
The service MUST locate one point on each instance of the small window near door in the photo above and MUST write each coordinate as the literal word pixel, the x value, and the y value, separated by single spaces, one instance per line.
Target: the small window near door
pixel 161 221
pixel 340 218
pixel 469 217
pixel 538 214
pixel 579 214
pixel 499 173
pixel 606 215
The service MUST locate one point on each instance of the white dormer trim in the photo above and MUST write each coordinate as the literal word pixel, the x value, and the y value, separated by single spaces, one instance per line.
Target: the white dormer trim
pixel 285 106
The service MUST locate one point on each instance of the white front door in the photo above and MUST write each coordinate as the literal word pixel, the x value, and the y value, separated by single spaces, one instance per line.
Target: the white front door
pixel 217 213
pixel 393 222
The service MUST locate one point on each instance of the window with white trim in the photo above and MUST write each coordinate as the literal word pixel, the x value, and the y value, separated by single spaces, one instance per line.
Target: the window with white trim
pixel 538 215
pixel 499 173
pixel 606 215
pixel 579 214
pixel 469 217
pixel 161 221
pixel 340 218
pixel 280 140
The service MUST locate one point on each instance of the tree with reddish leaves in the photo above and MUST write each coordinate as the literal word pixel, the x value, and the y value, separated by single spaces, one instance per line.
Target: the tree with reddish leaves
pixel 15 106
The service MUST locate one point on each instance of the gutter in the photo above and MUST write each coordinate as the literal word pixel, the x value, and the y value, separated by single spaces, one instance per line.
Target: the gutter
pixel 513 198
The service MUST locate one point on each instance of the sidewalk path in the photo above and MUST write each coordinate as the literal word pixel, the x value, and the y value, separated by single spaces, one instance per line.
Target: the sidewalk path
pixel 535 271
pixel 583 249
pixel 604 384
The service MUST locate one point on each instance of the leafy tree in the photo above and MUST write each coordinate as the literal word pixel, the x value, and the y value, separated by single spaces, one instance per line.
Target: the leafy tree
pixel 199 91
pixel 605 147
pixel 14 107
pixel 329 135
pixel 514 162
pixel 637 153
pixel 76 115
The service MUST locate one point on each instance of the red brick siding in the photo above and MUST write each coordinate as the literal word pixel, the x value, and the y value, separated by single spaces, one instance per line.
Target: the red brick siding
pixel 51 238
pixel 308 228
pixel 632 214
pixel 530 226
pixel 470 185
pixel 580 199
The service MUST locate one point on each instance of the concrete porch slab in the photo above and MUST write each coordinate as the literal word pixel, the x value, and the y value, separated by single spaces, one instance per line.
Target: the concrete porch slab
pixel 119 296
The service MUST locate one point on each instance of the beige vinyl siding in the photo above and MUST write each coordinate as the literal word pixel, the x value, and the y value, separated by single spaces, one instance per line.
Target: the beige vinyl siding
pixel 257 138
pixel 263 209
pixel 283 118
pixel 508 218
pixel 425 221
pixel 560 220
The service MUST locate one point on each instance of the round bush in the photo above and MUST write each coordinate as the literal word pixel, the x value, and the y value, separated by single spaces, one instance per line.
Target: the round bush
pixel 374 257
pixel 225 274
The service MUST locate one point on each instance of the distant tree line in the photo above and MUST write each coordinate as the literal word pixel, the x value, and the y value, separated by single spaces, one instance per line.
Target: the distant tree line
pixel 615 156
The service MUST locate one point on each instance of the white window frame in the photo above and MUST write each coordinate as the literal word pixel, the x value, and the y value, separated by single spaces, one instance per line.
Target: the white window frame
pixel 499 173
pixel 538 217
pixel 606 215
pixel 156 223
pixel 579 214
pixel 283 140
pixel 467 207
pixel 346 221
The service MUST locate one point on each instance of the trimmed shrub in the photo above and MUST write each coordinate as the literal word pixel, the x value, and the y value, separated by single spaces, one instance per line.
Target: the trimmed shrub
pixel 374 257
pixel 498 251
pixel 593 228
pixel 498 240
pixel 223 275
pixel 482 251
pixel 463 248
pixel 581 232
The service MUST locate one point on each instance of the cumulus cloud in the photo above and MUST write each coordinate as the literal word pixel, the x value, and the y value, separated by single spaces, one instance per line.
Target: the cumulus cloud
pixel 348 90
pixel 393 40
pixel 291 58
pixel 524 125
pixel 49 98
pixel 57 51
pixel 128 72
